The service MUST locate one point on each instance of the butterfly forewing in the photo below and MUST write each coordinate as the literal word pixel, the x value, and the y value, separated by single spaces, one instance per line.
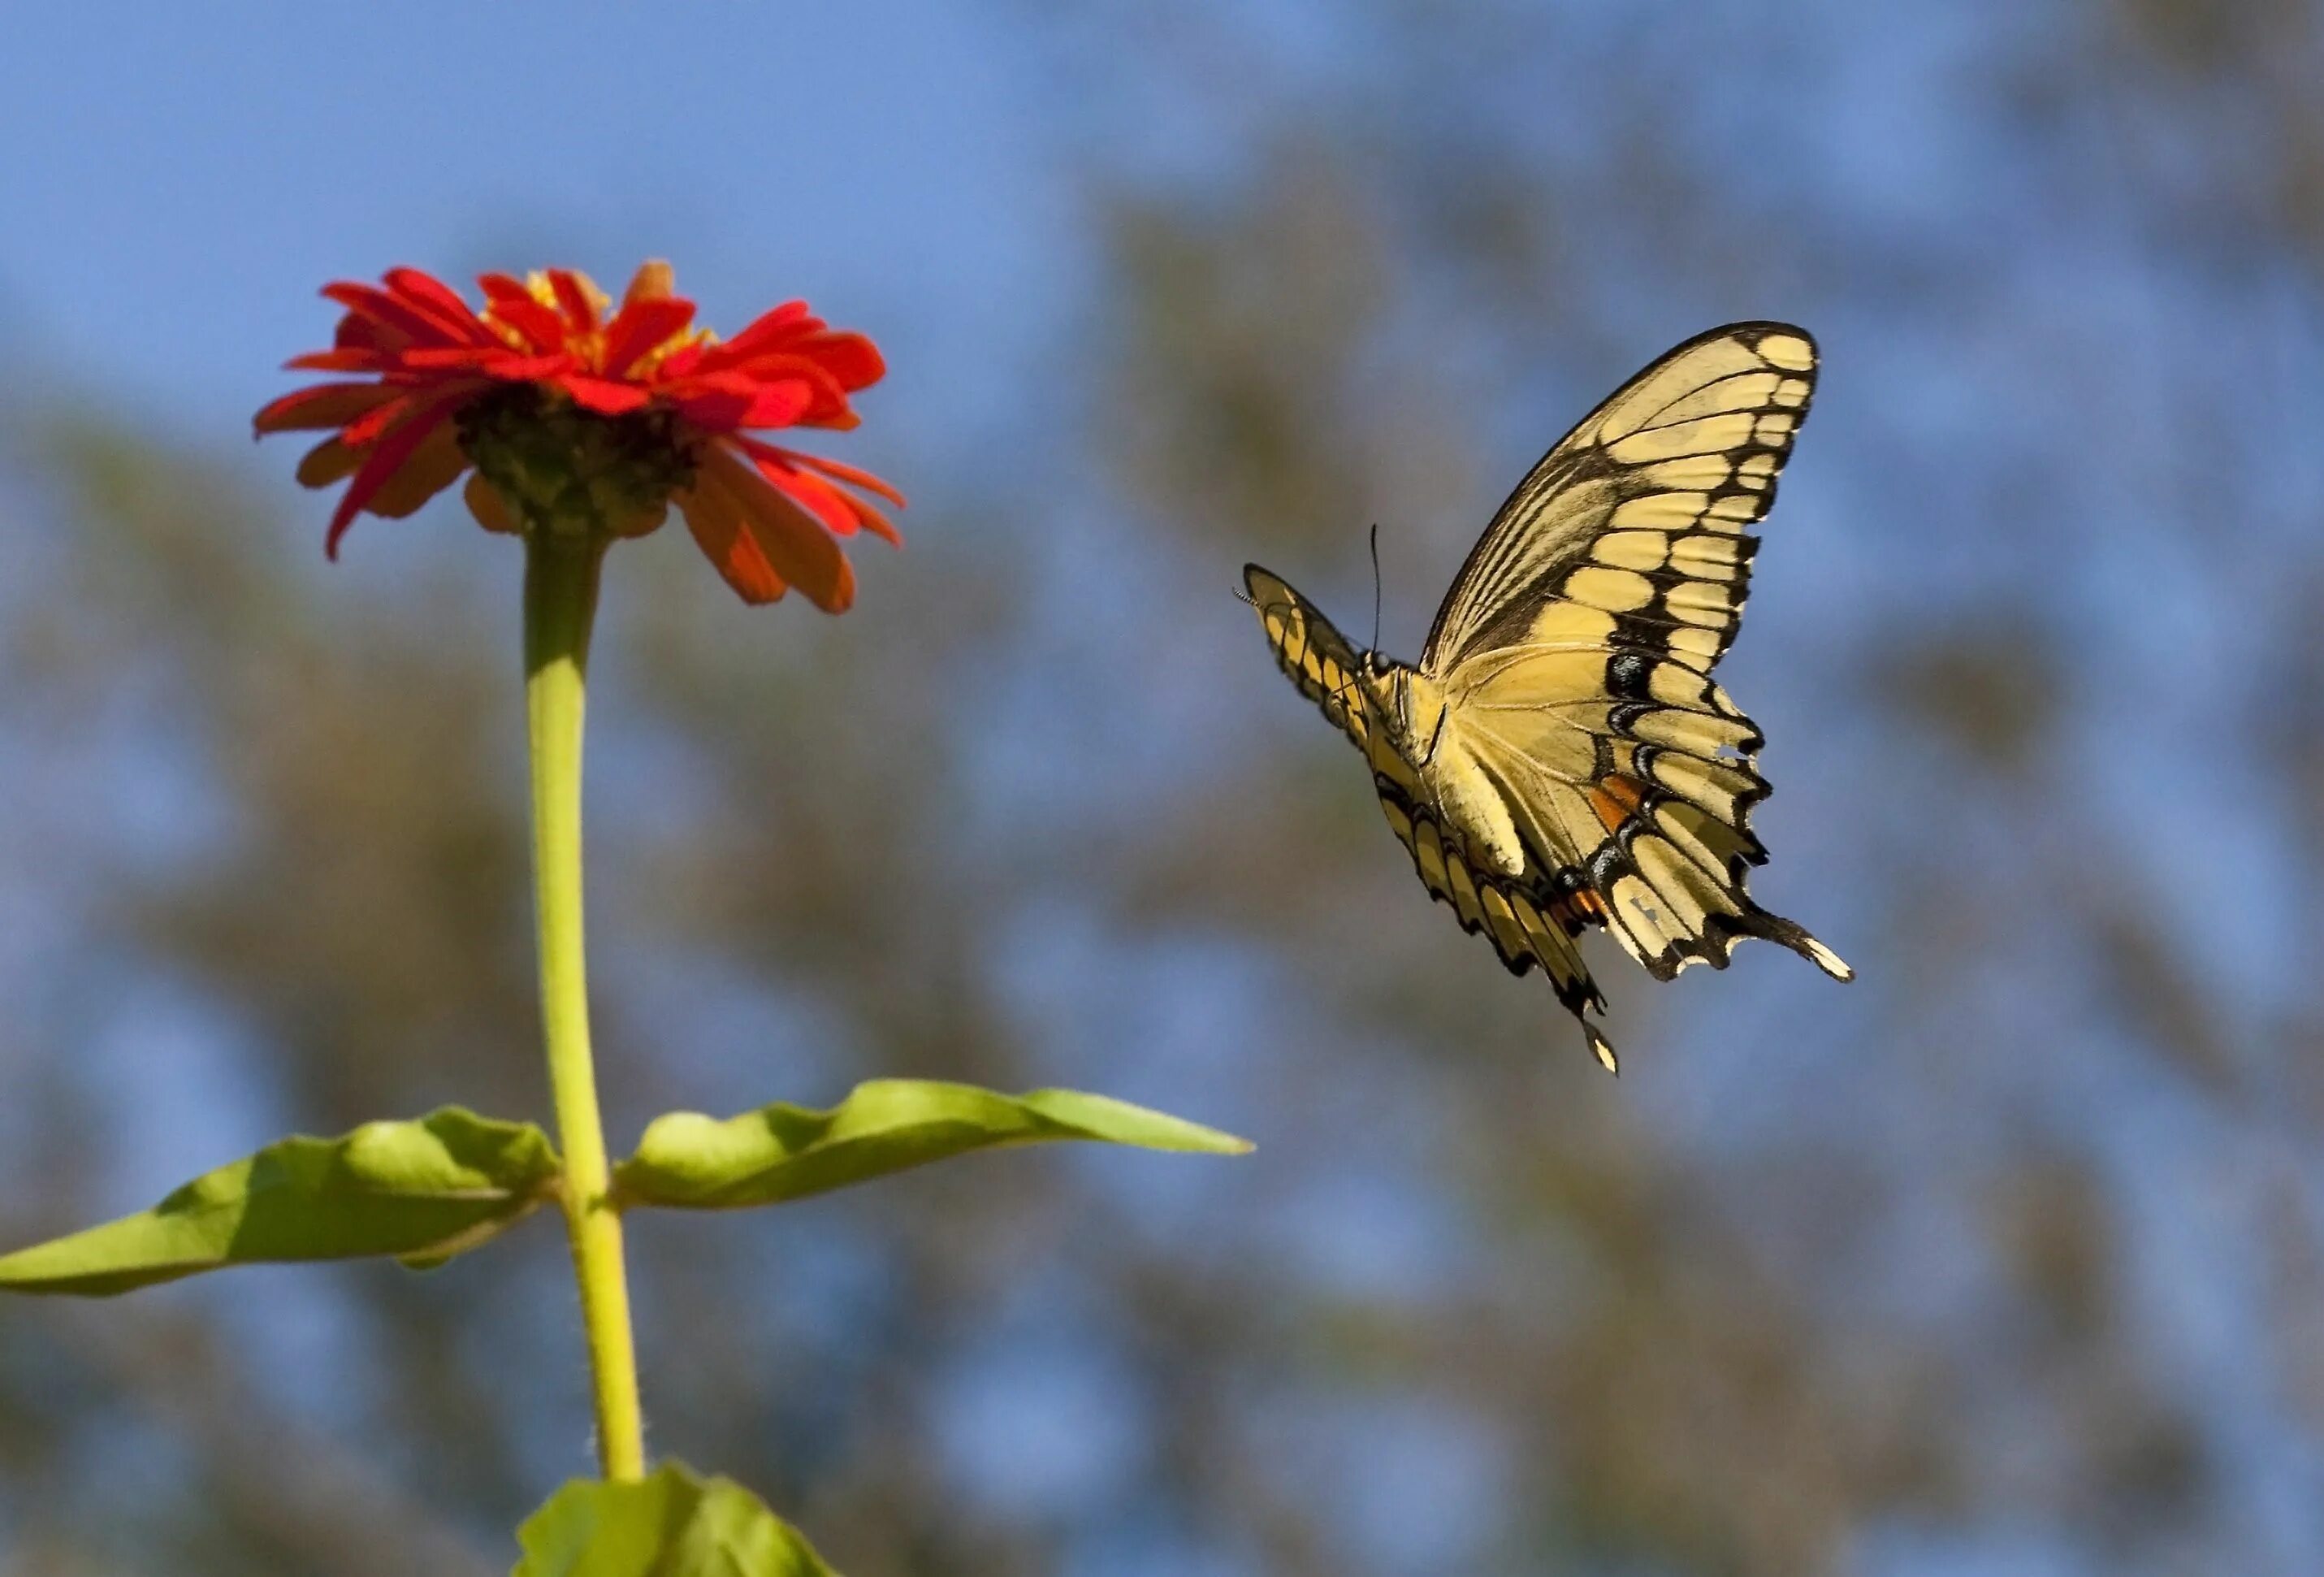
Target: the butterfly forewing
pixel 1314 656
pixel 1640 510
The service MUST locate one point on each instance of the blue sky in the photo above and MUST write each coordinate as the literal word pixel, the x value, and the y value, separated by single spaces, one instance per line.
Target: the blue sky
pixel 177 190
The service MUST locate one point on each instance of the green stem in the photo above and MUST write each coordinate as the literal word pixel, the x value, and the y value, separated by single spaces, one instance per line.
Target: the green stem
pixel 561 601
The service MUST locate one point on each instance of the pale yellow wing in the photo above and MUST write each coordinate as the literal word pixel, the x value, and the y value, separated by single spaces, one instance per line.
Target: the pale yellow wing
pixel 1647 498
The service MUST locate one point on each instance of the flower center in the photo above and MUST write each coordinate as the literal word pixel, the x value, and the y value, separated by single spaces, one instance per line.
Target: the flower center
pixel 563 469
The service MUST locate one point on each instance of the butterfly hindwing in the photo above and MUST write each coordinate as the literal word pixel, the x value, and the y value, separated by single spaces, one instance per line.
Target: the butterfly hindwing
pixel 1526 927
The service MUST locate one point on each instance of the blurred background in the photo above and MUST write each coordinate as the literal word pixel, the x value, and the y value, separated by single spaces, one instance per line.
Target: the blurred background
pixel 2008 1259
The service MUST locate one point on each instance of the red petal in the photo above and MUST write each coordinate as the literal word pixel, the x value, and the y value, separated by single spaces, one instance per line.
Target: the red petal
pixel 491 511
pixel 580 310
pixel 539 325
pixel 851 358
pixel 426 291
pixel 367 430
pixel 446 397
pixel 800 551
pixel 433 465
pixel 783 467
pixel 381 464
pixel 780 404
pixel 464 358
pixel 323 406
pixel 391 311
pixel 827 399
pixel 500 362
pixel 878 524
pixel 716 524
pixel 682 363
pixel 543 369
pixel 716 403
pixel 834 469
pixel 362 332
pixel 765 330
pixel 346 359
pixel 641 327
pixel 601 395
pixel 327 462
pixel 819 498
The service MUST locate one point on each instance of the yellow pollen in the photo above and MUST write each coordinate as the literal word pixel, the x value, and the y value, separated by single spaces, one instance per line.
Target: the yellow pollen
pixel 670 348
pixel 653 280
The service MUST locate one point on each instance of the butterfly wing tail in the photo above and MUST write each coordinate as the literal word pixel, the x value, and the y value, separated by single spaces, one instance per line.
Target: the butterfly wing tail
pixel 1601 1047
pixel 1775 928
pixel 1671 874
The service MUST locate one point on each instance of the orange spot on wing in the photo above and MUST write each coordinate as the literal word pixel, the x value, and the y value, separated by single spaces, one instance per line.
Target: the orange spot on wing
pixel 1578 909
pixel 1617 800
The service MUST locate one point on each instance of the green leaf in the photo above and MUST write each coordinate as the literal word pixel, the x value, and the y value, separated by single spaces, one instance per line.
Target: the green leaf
pixel 670 1524
pixel 421 1191
pixel 782 1152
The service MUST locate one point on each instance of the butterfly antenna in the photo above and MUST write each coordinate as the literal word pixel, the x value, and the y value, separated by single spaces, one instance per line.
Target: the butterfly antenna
pixel 1375 586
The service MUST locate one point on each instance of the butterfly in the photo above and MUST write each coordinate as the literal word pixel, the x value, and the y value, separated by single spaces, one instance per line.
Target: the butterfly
pixel 1560 757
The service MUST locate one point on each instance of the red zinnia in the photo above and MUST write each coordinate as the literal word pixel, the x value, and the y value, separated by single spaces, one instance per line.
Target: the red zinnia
pixel 571 419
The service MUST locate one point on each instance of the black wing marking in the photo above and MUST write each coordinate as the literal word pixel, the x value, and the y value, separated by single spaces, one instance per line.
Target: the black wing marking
pixel 1642 508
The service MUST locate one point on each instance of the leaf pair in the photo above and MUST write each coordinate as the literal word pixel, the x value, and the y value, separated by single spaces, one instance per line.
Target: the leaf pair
pixel 422 1192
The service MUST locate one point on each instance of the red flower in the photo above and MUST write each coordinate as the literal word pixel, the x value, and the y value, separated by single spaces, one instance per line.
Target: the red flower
pixel 573 419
